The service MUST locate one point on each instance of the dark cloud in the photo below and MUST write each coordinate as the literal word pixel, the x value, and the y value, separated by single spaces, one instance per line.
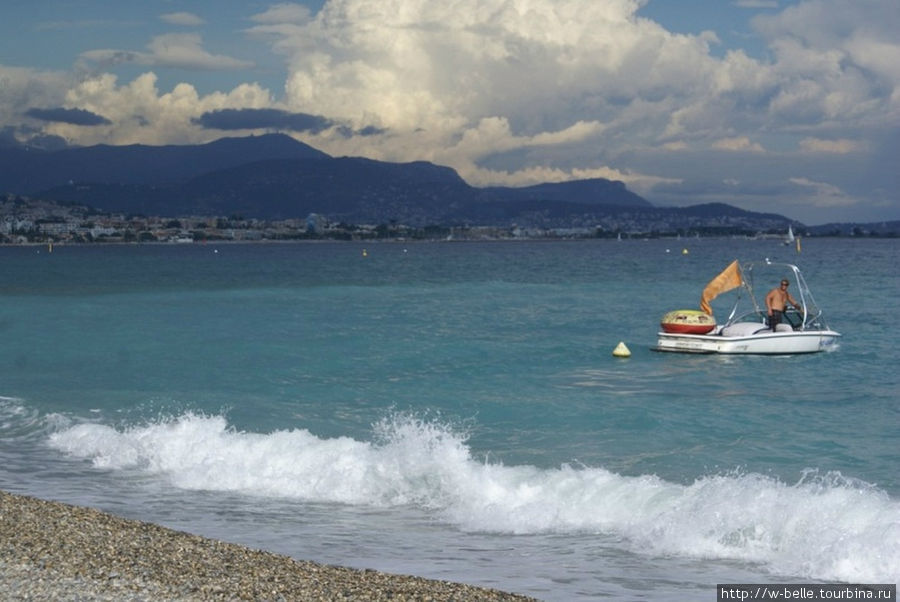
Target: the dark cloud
pixel 348 132
pixel 73 116
pixel 344 132
pixel 252 119
pixel 371 130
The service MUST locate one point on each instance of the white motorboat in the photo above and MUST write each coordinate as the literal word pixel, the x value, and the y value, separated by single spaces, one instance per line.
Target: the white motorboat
pixel 746 330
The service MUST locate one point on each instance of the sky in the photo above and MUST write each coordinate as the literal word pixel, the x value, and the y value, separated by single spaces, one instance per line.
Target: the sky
pixel 783 106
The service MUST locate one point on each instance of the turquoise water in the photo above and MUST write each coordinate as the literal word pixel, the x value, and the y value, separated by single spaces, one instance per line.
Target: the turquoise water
pixel 453 410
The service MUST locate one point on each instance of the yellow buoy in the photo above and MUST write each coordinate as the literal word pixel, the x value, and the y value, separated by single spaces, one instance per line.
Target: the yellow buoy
pixel 621 350
pixel 684 251
pixel 365 253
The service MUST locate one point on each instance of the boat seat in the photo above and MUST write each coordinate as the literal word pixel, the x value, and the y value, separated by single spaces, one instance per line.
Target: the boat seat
pixel 741 329
pixel 744 329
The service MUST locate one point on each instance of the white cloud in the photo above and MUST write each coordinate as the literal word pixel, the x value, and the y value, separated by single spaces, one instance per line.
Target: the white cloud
pixel 738 144
pixel 23 89
pixel 185 50
pixel 536 175
pixel 836 60
pixel 279 14
pixel 822 194
pixel 678 145
pixel 175 50
pixel 841 147
pixel 140 113
pixel 436 73
pixel 182 18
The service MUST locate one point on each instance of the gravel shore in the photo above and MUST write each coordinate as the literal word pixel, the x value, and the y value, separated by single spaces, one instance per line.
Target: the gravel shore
pixel 52 551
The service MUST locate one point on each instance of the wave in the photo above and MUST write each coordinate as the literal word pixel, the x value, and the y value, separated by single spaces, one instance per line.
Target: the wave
pixel 825 526
pixel 18 421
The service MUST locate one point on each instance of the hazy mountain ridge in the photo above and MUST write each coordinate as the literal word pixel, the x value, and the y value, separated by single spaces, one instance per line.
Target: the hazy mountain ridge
pixel 28 171
pixel 886 228
pixel 276 177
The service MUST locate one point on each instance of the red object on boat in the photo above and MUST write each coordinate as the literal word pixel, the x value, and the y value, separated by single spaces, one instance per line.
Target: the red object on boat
pixel 687 321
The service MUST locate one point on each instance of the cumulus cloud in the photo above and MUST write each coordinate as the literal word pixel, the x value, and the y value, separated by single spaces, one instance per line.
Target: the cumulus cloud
pixel 521 91
pixel 517 92
pixel 72 116
pixel 836 60
pixel 141 113
pixel 542 65
pixel 178 50
pixel 182 18
pixel 22 89
pixel 464 81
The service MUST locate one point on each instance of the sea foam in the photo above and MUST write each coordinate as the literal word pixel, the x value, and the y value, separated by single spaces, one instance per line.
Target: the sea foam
pixel 824 526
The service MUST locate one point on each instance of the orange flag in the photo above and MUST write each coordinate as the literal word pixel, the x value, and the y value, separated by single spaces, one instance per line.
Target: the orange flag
pixel 729 278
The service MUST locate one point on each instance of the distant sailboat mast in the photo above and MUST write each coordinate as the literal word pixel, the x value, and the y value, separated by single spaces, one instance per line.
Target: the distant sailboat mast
pixel 789 239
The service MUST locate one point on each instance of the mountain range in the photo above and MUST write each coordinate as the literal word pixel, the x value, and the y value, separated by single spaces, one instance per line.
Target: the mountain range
pixel 274 176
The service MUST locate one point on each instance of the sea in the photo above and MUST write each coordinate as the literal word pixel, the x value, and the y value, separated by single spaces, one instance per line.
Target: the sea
pixel 453 410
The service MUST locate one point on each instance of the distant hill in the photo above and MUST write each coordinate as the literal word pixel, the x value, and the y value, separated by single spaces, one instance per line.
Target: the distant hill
pixel 888 228
pixel 276 177
pixel 594 191
pixel 27 170
pixel 350 189
pixel 707 210
pixel 344 189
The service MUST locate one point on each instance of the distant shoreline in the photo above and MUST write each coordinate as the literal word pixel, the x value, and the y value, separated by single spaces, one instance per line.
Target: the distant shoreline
pixel 401 240
pixel 24 221
pixel 50 550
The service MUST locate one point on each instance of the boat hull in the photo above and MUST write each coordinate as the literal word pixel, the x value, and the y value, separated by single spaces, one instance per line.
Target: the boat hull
pixel 762 343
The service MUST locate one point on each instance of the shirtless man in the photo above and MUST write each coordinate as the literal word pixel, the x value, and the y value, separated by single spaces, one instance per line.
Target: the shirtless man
pixel 776 301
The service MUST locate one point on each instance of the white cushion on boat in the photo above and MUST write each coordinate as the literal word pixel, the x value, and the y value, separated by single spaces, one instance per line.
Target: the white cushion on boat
pixel 742 329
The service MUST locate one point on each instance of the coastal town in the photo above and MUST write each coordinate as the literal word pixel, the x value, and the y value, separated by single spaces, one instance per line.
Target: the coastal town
pixel 25 221
pixel 30 221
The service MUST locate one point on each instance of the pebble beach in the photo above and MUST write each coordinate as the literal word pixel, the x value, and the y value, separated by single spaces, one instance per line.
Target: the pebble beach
pixel 53 551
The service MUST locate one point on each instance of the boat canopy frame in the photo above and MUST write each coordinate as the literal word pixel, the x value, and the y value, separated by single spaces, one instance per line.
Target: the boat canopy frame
pixel 809 317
